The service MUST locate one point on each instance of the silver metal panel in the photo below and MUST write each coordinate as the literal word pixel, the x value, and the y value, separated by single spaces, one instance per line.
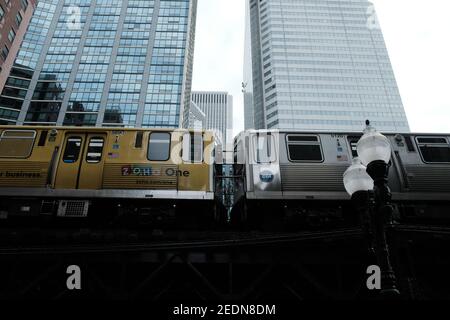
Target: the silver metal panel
pixel 113 194
pixel 429 178
pixel 270 195
pixel 266 177
pixel 298 195
pixel 321 177
pixel 305 195
pixel 421 196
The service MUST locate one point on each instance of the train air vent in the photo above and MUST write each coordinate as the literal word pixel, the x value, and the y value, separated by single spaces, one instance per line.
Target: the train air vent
pixel 73 208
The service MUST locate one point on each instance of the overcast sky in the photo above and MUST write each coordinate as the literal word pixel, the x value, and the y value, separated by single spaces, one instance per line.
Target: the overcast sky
pixel 417 34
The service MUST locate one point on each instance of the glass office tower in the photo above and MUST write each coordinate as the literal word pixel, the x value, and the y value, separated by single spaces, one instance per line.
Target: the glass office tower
pixel 247 83
pixel 319 65
pixel 218 109
pixel 104 63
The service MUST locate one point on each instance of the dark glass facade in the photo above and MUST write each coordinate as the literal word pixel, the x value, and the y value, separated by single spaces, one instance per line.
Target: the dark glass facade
pixel 104 63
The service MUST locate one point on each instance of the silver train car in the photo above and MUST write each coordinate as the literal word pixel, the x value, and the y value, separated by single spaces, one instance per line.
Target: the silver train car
pixel 299 175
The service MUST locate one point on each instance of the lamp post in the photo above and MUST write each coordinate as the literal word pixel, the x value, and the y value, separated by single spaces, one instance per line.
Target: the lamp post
pixel 374 151
pixel 359 185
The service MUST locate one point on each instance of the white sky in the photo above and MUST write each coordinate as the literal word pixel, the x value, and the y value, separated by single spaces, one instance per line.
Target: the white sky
pixel 417 35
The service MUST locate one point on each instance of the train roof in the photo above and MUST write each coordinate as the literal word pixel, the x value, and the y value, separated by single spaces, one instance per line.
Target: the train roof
pixel 76 128
pixel 342 132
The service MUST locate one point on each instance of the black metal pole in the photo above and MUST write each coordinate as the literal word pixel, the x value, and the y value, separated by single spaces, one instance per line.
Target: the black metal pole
pixel 362 201
pixel 379 172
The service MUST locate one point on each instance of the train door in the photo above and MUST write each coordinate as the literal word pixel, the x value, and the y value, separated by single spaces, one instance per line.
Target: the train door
pixel 91 173
pixel 81 163
pixel 265 164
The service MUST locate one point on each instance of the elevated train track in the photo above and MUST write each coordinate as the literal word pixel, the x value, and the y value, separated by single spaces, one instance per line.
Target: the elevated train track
pixel 229 266
pixel 101 198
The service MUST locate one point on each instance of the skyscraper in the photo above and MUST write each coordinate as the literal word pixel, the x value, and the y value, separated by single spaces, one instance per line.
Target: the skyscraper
pixel 319 65
pixel 218 110
pixel 247 84
pixel 14 19
pixel 197 118
pixel 104 63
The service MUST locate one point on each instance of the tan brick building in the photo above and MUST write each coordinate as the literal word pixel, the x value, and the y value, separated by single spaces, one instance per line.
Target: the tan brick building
pixel 14 18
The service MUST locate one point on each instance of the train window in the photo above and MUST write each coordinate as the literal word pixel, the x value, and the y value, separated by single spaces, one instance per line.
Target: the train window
pixel 353 142
pixel 16 143
pixel 139 138
pixel 305 148
pixel 435 154
pixel 193 142
pixel 43 138
pixel 354 146
pixel 409 144
pixel 434 150
pixel 95 150
pixel 239 153
pixel 264 148
pixel 302 139
pixel 159 146
pixel 432 140
pixel 72 151
pixel 305 152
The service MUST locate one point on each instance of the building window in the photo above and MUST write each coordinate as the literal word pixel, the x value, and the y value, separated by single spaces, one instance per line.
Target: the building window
pixel 24 4
pixel 95 150
pixel 5 52
pixel 11 35
pixel 2 13
pixel 159 146
pixel 18 19
pixel 16 143
pixel 304 148
pixel 434 149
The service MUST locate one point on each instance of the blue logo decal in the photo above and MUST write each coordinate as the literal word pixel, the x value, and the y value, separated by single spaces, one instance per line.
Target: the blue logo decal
pixel 266 176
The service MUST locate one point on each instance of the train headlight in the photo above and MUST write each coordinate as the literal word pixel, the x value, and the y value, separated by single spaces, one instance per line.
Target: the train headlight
pixel 356 178
pixel 373 146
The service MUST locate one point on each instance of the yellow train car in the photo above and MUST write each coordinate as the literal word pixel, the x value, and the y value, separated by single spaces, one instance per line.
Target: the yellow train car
pixel 80 171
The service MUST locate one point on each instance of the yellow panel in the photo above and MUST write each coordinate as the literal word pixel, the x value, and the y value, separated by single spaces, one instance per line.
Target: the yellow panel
pixel 23 174
pixel 140 176
pixel 193 177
